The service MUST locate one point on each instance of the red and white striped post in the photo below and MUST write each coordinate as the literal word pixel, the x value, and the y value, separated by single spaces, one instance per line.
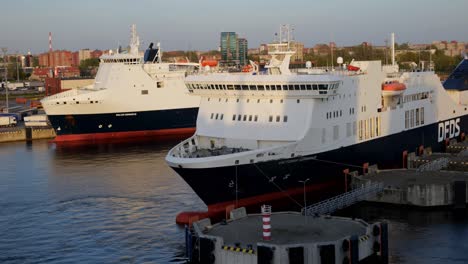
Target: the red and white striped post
pixel 266 216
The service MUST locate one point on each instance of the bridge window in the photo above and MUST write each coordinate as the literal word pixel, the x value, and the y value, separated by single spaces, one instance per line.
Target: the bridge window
pixel 267 87
pixel 303 87
pixel 315 87
pixel 309 87
pixel 278 87
pixel 256 118
pixel 270 119
pixel 233 117
pixel 253 87
pixel 261 87
pixel 237 87
pixel 278 118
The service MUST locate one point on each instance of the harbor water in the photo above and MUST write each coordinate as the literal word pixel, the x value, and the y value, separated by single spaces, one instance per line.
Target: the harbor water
pixel 116 203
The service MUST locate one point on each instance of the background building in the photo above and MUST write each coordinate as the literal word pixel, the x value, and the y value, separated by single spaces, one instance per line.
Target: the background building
pixel 243 50
pixel 233 49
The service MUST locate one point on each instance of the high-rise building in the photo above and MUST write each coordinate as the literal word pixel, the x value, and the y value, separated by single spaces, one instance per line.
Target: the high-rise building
pixel 233 49
pixel 243 49
pixel 229 49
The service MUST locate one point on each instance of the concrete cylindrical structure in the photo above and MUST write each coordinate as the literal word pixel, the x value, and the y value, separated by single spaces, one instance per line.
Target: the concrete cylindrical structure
pixel 266 217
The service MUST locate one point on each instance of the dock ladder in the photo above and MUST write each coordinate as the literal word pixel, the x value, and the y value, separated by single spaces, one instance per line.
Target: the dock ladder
pixel 367 190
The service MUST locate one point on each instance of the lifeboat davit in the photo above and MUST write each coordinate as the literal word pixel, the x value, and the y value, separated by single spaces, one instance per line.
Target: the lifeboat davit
pixel 392 88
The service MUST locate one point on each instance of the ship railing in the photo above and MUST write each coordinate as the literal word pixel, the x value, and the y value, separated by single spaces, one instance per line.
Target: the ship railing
pixel 365 191
pixel 72 92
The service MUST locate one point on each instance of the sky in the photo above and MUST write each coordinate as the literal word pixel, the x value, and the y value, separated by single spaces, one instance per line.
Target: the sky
pixel 196 24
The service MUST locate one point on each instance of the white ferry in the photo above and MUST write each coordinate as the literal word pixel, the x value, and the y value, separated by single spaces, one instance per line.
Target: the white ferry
pixel 133 96
pixel 263 137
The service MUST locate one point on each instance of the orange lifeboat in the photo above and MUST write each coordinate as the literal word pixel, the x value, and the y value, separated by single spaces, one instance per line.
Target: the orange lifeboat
pixel 393 88
pixel 211 63
pixel 247 68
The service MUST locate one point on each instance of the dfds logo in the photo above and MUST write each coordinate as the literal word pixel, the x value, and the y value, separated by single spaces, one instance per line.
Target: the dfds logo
pixel 449 129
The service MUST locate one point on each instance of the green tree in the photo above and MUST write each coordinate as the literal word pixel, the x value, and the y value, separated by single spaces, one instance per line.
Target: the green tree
pixel 86 66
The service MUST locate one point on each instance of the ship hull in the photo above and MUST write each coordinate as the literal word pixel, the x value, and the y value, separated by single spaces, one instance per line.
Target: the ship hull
pixel 174 123
pixel 267 181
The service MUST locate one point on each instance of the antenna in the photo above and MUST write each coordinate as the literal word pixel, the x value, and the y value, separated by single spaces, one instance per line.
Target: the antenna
pixel 50 41
pixel 134 41
pixel 393 48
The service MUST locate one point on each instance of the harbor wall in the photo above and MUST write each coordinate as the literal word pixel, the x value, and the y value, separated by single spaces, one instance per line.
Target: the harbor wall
pixel 22 134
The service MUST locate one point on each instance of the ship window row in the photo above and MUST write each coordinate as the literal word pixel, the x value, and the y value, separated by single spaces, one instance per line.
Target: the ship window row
pixel 245 118
pixel 414 117
pixel 217 116
pixel 268 87
pixel 278 118
pixel 351 111
pixel 416 97
pixel 126 61
pixel 334 114
pixel 369 128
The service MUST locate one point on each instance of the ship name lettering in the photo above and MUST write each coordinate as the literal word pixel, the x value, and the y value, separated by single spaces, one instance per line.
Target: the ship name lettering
pixel 449 129
pixel 126 114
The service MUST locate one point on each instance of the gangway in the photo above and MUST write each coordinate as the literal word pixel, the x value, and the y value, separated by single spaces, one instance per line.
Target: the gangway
pixel 367 190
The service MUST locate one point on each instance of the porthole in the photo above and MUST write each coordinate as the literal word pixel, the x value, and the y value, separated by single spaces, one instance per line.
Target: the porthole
pixel 100 126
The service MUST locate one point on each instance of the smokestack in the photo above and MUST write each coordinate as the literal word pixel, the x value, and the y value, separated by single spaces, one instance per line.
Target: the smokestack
pixel 50 41
pixel 393 48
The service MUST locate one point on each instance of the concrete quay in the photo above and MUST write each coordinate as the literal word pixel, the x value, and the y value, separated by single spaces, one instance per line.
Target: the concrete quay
pixel 25 133
pixel 419 188
pixel 295 238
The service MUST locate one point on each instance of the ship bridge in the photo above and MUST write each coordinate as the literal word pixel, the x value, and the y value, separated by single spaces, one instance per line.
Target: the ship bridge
pixel 312 86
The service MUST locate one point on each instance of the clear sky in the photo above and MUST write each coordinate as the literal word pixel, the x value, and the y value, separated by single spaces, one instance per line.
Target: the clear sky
pixel 196 24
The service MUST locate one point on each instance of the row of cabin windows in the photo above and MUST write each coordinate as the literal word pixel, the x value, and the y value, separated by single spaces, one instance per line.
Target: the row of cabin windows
pixel 363 108
pixel 258 100
pixel 216 116
pixel 369 128
pixel 365 129
pixel 254 118
pixel 414 117
pixel 351 111
pixel 246 118
pixel 416 97
pixel 268 87
pixel 126 61
pixel 334 114
pixel 278 118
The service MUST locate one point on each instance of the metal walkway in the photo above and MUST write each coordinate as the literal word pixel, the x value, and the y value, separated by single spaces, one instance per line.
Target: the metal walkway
pixel 341 201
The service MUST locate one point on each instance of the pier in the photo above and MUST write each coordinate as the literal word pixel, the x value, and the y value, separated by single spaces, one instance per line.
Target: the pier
pixel 23 133
pixel 293 238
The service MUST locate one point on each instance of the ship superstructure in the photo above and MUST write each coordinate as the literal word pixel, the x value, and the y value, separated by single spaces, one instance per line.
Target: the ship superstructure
pixel 132 96
pixel 274 135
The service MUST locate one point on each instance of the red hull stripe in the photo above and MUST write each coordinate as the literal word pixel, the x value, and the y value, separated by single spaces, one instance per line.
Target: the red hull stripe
pixel 176 132
pixel 219 210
